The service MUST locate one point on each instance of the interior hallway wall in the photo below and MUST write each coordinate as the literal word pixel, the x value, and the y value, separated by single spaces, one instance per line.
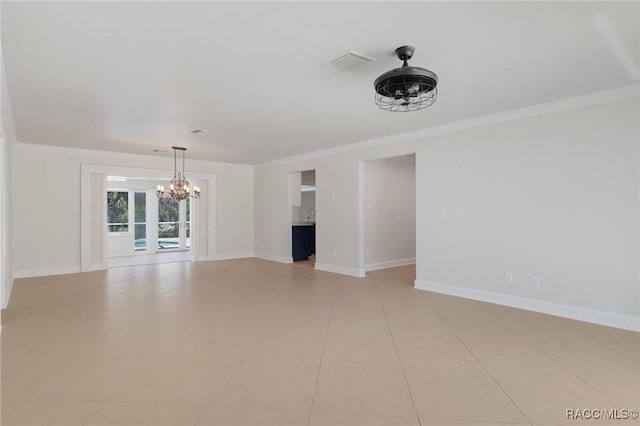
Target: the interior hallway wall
pixel 389 212
pixel 7 141
pixel 552 194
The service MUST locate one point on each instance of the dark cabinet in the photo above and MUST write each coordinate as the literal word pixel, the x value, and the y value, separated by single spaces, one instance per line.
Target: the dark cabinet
pixel 303 241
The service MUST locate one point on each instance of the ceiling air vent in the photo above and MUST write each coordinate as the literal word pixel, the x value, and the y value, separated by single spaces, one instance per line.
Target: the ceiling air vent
pixel 353 55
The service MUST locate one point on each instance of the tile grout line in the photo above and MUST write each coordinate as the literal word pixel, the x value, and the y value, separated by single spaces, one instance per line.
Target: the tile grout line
pixel 115 399
pixel 395 348
pixel 106 314
pixel 107 403
pixel 255 342
pixel 88 421
pixel 481 364
pixel 253 346
pixel 324 345
pixel 287 289
pixel 561 364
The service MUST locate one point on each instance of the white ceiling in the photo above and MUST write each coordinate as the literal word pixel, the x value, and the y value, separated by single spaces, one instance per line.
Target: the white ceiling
pixel 136 76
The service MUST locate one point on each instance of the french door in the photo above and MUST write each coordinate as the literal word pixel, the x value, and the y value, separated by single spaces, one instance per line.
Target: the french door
pixel 174 224
pixel 139 222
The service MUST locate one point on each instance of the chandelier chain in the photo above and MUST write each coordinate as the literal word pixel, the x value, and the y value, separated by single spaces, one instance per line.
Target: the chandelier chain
pixel 180 187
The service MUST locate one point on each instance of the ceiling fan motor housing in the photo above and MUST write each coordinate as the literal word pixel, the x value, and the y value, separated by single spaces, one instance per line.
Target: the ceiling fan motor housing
pixel 407 88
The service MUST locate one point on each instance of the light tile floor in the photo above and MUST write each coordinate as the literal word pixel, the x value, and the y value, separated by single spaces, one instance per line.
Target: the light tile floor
pixel 309 263
pixel 250 342
pixel 148 259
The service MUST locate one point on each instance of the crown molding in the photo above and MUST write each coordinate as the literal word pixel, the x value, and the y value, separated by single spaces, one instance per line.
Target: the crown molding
pixel 611 95
pixel 23 146
pixel 605 96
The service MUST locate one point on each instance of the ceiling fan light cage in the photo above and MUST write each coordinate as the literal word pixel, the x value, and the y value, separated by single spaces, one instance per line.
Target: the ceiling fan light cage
pixel 401 93
pixel 407 88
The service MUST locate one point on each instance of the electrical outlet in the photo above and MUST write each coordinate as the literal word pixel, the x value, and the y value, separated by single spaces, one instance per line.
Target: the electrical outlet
pixel 508 277
pixel 535 282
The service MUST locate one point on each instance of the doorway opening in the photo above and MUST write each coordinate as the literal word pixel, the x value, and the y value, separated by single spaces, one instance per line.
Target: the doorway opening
pixel 388 213
pixel 303 217
pixel 142 228
pixel 94 185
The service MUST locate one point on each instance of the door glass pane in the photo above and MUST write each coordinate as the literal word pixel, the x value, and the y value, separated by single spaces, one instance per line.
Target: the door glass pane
pixel 168 223
pixel 117 211
pixel 188 223
pixel 141 220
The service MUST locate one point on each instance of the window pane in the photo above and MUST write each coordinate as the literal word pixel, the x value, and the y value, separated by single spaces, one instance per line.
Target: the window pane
pixel 141 220
pixel 188 222
pixel 117 211
pixel 141 207
pixel 168 223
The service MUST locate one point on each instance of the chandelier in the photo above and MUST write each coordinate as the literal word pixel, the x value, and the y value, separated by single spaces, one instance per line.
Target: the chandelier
pixel 407 88
pixel 180 186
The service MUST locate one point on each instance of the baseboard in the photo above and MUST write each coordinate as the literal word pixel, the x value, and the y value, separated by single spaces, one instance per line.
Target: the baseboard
pixel 390 264
pixel 6 295
pixel 204 258
pixel 43 272
pixel 274 258
pixel 610 319
pixel 229 256
pixel 98 267
pixel 343 270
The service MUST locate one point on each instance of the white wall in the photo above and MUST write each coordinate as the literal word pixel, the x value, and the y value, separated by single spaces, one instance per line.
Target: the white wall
pixel 554 196
pixel 7 140
pixel 48 180
pixel 551 190
pixel 389 212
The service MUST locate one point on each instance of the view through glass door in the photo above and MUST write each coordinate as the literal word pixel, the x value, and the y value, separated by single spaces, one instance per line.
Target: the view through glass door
pixel 140 223
pixel 174 224
pixel 142 228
